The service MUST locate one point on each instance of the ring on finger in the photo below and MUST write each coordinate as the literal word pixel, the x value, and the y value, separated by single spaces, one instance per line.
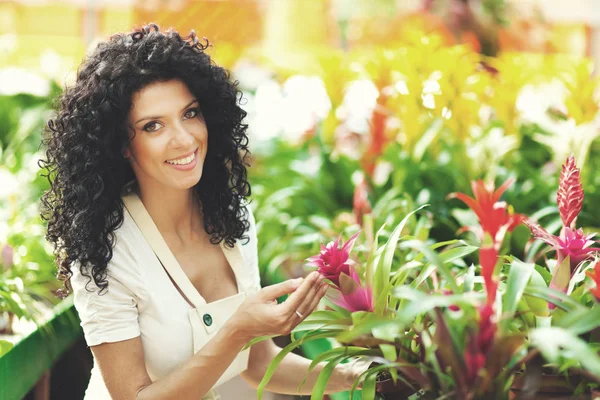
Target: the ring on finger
pixel 298 313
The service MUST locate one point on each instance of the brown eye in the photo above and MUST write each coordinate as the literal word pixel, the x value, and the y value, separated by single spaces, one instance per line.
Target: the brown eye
pixel 191 113
pixel 148 126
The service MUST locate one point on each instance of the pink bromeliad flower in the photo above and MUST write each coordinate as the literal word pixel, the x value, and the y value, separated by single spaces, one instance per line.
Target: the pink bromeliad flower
pixel 495 217
pixel 353 295
pixel 333 260
pixel 594 274
pixel 571 242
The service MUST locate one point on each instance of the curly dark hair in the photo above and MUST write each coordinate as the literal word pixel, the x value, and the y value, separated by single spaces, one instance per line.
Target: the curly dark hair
pixel 86 139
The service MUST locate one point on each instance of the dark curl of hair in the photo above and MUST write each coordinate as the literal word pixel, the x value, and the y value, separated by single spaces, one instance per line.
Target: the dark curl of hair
pixel 86 139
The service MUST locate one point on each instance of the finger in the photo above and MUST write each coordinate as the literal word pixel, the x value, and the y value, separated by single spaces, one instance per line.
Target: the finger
pixel 308 307
pixel 293 302
pixel 274 291
pixel 309 304
pixel 292 315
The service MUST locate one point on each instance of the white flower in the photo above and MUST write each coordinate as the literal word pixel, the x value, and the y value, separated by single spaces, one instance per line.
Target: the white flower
pixel 263 110
pixel 533 102
pixel 305 103
pixel 16 80
pixel 487 150
pixel 563 137
pixel 358 104
pixel 290 110
pixel 250 75
pixel 567 138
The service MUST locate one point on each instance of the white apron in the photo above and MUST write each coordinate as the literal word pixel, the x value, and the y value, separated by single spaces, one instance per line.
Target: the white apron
pixel 205 318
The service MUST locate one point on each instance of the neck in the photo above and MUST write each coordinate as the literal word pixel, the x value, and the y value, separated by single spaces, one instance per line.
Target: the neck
pixel 175 212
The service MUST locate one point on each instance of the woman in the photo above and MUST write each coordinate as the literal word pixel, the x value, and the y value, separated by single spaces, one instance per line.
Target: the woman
pixel 147 161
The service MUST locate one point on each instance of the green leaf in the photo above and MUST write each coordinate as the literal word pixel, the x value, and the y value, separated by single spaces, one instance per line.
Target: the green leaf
pixel 369 386
pixel 581 321
pixel 318 390
pixel 562 275
pixel 436 246
pixel 458 252
pixel 5 347
pixel 384 267
pixel 555 297
pixel 518 278
pixel 435 259
pixel 348 351
pixel 257 340
pixel 285 351
pixel 538 306
pixel 559 344
pixel 373 258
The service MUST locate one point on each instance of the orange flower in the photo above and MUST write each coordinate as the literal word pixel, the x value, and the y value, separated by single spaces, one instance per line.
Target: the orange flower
pixel 594 274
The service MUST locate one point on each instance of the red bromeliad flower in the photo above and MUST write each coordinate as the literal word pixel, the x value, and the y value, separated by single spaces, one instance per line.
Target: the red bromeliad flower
pixel 333 260
pixel 353 295
pixel 594 274
pixel 494 216
pixel 488 257
pixel 480 344
pixel 570 193
pixel 571 242
pixel 495 219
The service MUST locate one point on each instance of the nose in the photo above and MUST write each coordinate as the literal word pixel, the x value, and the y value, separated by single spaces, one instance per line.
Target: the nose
pixel 182 137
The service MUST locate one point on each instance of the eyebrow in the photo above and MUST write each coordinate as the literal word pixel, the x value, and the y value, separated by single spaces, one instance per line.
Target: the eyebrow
pixel 159 117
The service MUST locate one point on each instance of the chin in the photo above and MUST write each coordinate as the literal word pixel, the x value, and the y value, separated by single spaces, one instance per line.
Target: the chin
pixel 189 182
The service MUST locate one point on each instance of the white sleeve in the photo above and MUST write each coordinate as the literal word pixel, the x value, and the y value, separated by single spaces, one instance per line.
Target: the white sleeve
pixel 251 252
pixel 113 315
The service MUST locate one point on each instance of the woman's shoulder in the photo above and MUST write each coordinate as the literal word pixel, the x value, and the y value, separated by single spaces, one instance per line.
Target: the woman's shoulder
pixel 123 265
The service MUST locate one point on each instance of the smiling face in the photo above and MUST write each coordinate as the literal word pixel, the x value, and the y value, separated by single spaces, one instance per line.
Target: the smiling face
pixel 171 139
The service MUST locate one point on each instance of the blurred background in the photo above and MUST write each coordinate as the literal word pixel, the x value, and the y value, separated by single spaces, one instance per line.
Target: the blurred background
pixel 355 107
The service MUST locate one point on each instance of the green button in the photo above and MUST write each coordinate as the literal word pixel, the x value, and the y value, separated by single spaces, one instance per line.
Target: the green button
pixel 207 319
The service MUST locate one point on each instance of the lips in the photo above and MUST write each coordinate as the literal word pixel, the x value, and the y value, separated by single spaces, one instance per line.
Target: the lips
pixel 183 156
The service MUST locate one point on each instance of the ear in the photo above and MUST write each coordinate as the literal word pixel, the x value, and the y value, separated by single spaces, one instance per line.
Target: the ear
pixel 127 153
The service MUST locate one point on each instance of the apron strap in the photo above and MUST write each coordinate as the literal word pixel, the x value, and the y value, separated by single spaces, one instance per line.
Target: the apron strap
pixel 144 221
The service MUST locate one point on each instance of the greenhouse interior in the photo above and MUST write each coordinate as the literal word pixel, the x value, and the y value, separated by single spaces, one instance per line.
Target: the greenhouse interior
pixel 326 199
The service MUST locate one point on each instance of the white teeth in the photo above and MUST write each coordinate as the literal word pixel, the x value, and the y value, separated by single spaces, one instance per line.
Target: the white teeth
pixel 183 161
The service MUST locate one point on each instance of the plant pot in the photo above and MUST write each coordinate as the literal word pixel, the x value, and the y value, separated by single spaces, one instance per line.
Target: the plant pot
pixel 393 390
pixel 388 389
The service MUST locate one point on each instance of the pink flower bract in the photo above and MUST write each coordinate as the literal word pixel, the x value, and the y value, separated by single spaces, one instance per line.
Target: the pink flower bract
pixel 353 295
pixel 333 260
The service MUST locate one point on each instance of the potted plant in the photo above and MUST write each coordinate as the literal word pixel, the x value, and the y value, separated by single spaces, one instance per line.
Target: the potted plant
pixel 438 325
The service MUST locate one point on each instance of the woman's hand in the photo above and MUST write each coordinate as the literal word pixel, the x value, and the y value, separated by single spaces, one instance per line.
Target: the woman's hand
pixel 260 315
